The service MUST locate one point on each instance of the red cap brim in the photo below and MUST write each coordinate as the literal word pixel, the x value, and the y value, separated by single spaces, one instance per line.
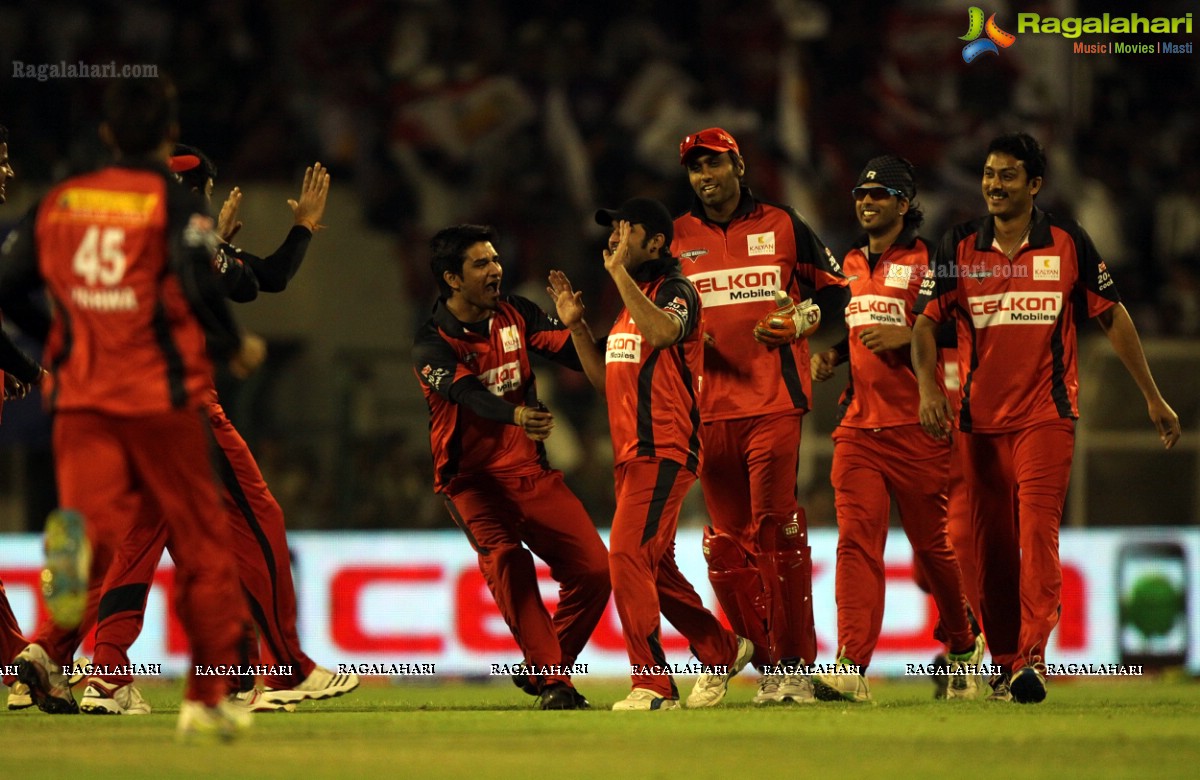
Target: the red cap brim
pixel 184 162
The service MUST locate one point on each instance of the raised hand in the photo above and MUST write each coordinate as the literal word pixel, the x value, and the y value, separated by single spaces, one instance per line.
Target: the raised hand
pixel 567 301
pixel 310 207
pixel 227 222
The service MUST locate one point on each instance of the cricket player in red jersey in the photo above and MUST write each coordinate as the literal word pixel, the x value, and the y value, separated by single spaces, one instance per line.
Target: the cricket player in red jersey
pixel 486 430
pixel 125 255
pixel 258 531
pixel 738 251
pixel 1013 279
pixel 650 374
pixel 880 452
pixel 20 373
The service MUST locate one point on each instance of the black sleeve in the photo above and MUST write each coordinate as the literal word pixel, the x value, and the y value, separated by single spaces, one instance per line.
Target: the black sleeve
pixel 678 296
pixel 469 392
pixel 275 271
pixel 19 278
pixel 238 281
pixel 545 335
pixel 192 243
pixel 832 301
pixel 946 334
pixel 842 348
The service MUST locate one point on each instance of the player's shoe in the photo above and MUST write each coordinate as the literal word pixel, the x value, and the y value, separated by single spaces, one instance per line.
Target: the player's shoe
pixel 1000 689
pixel 643 699
pixel 524 682
pixel 68 563
pixel 941 680
pixel 254 701
pixel 200 723
pixel 845 684
pixel 47 684
pixel 710 689
pixel 79 671
pixel 102 698
pixel 1028 686
pixel 560 696
pixel 321 684
pixel 768 689
pixel 796 689
pixel 964 680
pixel 18 696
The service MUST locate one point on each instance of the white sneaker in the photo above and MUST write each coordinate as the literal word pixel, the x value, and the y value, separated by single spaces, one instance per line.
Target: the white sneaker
pixel 962 685
pixel 198 723
pixel 101 698
pixel 18 696
pixel 796 689
pixel 847 687
pixel 79 671
pixel 254 701
pixel 48 686
pixel 768 689
pixel 711 688
pixel 646 700
pixel 321 684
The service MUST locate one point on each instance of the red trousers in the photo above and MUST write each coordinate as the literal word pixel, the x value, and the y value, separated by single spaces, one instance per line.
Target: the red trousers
pixel 870 467
pixel 132 477
pixel 1017 486
pixel 749 480
pixel 646 579
pixel 12 641
pixel 258 541
pixel 505 518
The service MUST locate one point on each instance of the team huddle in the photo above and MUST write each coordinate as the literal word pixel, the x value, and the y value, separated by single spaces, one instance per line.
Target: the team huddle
pixel 706 373
pixel 138 276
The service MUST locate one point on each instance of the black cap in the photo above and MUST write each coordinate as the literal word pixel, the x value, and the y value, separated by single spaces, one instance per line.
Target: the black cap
pixel 890 171
pixel 641 211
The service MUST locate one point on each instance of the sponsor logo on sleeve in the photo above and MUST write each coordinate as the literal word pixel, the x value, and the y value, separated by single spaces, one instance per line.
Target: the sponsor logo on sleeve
pixel 1025 308
pixel 623 348
pixel 434 377
pixel 679 307
pixel 1104 278
pixel 1045 268
pixel 761 243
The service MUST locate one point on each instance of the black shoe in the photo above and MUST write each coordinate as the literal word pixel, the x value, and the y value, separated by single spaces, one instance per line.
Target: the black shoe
pixel 1028 686
pixel 580 702
pixel 524 682
pixel 941 682
pixel 560 696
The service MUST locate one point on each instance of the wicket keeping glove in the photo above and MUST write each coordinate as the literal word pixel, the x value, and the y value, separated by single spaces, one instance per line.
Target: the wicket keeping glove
pixel 787 323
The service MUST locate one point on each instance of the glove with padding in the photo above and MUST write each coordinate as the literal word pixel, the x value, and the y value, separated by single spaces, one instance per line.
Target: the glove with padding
pixel 787 323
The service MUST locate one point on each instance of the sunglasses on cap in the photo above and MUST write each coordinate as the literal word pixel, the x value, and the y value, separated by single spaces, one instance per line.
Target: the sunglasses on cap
pixel 875 193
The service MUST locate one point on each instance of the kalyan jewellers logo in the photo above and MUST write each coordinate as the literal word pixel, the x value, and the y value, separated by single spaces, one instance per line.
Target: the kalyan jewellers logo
pixel 996 38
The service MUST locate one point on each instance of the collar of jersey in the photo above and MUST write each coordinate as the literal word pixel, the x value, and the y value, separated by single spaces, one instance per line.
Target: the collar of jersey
pixel 746 204
pixel 1039 233
pixel 906 239
pixel 446 320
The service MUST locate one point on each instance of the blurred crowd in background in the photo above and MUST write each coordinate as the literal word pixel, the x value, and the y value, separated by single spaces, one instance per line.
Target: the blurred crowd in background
pixel 528 115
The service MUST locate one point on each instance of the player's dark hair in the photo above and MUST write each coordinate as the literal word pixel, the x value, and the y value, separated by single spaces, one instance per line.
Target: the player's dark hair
pixel 914 216
pixel 140 113
pixel 1023 147
pixel 197 178
pixel 448 250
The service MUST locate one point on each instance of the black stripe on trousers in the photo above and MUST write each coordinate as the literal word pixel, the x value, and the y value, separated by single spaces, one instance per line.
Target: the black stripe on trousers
pixel 125 598
pixel 230 481
pixel 667 471
pixel 660 659
pixel 457 517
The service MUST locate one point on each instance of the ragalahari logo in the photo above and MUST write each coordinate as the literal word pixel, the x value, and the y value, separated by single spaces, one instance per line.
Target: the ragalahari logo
pixel 996 38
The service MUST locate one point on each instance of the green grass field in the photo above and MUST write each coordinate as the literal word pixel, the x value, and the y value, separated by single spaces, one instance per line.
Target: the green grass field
pixel 1147 728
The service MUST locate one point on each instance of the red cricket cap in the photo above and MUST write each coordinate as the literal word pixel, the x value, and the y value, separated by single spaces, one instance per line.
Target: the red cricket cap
pixel 714 139
pixel 183 162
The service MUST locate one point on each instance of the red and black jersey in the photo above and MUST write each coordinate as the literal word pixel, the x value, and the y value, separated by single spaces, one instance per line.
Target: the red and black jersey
pixel 736 269
pixel 124 253
pixel 451 359
pixel 882 392
pixel 653 411
pixel 1016 327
